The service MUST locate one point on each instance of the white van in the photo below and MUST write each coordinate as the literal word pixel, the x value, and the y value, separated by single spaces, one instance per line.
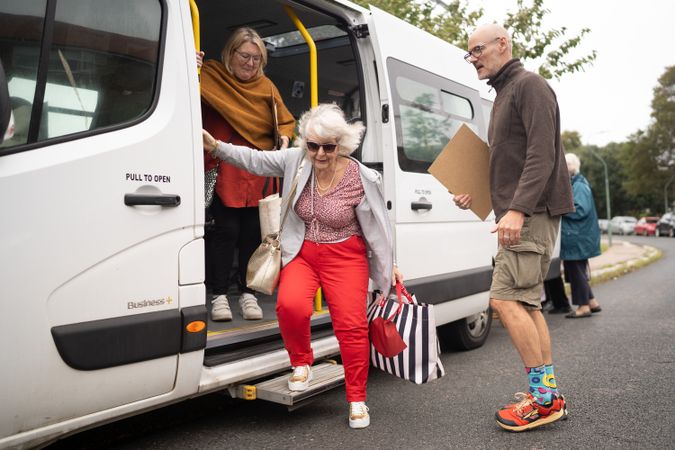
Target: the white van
pixel 103 299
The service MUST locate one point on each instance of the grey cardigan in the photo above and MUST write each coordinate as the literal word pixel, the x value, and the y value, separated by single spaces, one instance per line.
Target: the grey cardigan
pixel 371 212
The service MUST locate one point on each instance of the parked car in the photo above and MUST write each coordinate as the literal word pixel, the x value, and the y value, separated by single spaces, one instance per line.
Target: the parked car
pixel 646 226
pixel 603 224
pixel 623 224
pixel 666 225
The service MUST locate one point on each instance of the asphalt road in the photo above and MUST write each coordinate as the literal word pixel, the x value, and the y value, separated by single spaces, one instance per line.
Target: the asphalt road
pixel 616 369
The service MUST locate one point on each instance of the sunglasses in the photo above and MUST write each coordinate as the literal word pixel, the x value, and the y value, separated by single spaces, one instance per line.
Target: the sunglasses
pixel 315 146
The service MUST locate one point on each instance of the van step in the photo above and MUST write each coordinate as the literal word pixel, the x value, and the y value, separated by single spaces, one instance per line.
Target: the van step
pixel 325 376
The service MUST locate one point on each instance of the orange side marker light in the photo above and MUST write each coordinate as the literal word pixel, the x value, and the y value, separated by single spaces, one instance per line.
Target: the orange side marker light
pixel 196 326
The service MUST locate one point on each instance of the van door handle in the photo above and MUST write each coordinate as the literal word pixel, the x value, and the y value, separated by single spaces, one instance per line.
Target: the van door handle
pixel 152 199
pixel 421 204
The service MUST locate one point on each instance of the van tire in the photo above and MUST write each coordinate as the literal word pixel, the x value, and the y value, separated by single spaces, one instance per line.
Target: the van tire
pixel 466 334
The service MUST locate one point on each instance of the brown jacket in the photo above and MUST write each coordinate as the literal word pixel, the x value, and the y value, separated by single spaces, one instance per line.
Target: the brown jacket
pixel 528 172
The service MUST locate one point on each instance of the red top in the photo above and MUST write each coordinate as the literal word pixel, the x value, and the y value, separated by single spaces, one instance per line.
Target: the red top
pixel 235 187
pixel 332 218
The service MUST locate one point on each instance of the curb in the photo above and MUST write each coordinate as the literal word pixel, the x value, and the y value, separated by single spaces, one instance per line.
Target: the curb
pixel 649 255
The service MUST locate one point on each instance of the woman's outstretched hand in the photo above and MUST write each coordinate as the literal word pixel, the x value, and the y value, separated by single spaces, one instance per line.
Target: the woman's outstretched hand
pixel 210 143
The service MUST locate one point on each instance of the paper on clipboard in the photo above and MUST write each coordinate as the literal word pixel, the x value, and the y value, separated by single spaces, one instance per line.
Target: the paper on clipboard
pixel 463 168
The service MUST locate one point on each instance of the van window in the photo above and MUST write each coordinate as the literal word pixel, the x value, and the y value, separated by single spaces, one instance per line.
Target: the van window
pixel 21 29
pixel 291 38
pixel 428 111
pixel 100 69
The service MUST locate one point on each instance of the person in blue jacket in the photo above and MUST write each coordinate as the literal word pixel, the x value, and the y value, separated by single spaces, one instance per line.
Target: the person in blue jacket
pixel 580 240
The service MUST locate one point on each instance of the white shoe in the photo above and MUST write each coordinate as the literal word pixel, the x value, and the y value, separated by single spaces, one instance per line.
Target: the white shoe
pixel 358 415
pixel 249 307
pixel 220 309
pixel 299 380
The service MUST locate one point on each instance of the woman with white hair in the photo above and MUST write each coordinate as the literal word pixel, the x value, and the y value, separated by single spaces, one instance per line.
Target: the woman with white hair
pixel 336 236
pixel 579 241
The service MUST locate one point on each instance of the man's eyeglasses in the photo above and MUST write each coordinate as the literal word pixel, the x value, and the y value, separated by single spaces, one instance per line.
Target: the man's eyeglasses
pixel 478 50
pixel 247 56
pixel 315 146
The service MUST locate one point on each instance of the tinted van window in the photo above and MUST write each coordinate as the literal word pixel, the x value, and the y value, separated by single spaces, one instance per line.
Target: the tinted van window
pixel 428 111
pixel 99 64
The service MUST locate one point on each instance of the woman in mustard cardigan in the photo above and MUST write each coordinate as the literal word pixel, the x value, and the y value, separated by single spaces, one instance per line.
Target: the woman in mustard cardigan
pixel 238 103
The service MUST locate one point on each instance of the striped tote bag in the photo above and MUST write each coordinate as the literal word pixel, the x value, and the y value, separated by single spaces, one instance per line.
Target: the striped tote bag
pixel 420 361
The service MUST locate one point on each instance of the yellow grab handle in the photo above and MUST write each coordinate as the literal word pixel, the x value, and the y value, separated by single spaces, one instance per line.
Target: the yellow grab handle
pixel 317 301
pixel 313 92
pixel 195 26
pixel 313 77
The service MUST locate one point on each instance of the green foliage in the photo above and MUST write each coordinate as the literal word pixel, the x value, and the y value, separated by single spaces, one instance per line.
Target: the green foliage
pixel 662 131
pixel 571 141
pixel 531 41
pixel 424 132
pixel 592 168
pixel 648 159
pixel 452 21
pixel 639 169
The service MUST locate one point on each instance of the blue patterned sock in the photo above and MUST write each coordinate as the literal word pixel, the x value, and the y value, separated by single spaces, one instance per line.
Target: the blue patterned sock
pixel 549 380
pixel 537 387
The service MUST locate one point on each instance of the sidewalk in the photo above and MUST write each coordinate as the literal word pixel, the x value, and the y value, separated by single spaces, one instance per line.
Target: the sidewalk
pixel 620 258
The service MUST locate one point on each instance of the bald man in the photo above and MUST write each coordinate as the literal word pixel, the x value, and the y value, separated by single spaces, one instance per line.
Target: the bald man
pixel 530 190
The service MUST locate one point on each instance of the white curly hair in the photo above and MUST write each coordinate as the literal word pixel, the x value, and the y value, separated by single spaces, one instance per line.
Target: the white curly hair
pixel 327 121
pixel 573 163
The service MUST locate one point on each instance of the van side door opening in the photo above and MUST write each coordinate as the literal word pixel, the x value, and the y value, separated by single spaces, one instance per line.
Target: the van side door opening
pixel 339 81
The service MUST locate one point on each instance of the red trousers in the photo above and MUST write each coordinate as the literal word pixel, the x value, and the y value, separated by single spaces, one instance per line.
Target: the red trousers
pixel 341 269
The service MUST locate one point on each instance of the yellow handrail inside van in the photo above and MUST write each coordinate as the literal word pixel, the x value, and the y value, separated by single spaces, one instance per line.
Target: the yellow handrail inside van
pixel 313 91
pixel 313 77
pixel 194 11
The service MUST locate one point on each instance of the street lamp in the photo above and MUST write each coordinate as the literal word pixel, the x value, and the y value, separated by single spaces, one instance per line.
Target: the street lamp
pixel 609 209
pixel 665 193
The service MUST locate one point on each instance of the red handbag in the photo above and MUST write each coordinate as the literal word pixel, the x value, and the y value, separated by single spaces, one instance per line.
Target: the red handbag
pixel 383 333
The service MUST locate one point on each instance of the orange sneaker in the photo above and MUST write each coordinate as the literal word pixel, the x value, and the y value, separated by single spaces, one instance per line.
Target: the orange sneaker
pixel 528 414
pixel 558 400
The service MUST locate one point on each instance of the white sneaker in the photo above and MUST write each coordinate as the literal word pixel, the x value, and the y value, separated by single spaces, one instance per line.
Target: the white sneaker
pixel 299 380
pixel 358 415
pixel 249 307
pixel 220 309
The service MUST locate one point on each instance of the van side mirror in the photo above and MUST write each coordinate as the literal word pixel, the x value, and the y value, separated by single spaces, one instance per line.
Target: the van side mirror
pixel 6 120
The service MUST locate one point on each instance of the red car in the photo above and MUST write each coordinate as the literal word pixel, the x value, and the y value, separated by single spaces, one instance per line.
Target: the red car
pixel 646 226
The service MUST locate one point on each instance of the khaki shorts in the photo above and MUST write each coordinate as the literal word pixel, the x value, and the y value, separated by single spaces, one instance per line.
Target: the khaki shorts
pixel 520 269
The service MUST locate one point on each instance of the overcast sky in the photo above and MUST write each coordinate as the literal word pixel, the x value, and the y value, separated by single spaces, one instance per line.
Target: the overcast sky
pixel 635 41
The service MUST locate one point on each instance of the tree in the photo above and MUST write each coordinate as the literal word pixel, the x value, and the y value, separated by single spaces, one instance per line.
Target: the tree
pixel 452 21
pixel 571 141
pixel 648 158
pixel 662 131
pixel 591 167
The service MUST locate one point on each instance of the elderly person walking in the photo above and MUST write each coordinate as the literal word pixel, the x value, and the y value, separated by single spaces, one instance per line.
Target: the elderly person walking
pixel 336 236
pixel 579 241
pixel 238 106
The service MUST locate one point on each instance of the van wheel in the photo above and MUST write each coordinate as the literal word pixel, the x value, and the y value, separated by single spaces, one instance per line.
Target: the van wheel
pixel 466 334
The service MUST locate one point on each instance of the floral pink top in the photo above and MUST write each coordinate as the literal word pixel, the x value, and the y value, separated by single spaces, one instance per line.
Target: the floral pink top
pixel 332 217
